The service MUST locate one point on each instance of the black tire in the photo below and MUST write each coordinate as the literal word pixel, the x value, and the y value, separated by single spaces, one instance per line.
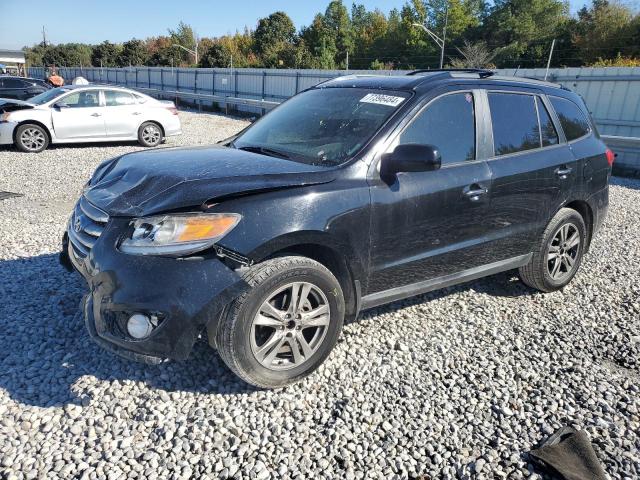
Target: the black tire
pixel 235 337
pixel 538 272
pixel 150 134
pixel 31 138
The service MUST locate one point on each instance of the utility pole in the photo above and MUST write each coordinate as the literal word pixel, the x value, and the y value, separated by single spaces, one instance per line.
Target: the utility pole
pixel 439 41
pixel 347 59
pixel 553 44
pixel 44 36
pixel 444 33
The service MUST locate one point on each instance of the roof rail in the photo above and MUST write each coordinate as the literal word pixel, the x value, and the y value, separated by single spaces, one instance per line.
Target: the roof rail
pixel 482 73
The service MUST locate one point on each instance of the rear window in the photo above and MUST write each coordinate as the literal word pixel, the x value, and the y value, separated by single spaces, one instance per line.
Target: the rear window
pixel 573 121
pixel 515 122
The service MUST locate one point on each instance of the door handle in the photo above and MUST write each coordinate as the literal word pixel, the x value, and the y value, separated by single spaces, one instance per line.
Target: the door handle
pixel 96 114
pixel 136 113
pixel 564 171
pixel 473 192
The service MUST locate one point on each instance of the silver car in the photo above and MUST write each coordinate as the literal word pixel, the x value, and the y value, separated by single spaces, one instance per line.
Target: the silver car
pixel 86 113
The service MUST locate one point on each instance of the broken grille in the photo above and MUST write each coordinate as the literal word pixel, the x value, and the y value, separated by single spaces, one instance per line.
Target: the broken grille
pixel 85 226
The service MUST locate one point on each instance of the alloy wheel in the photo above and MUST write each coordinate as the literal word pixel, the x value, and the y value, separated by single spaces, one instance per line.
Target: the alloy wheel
pixel 290 326
pixel 563 252
pixel 32 139
pixel 151 134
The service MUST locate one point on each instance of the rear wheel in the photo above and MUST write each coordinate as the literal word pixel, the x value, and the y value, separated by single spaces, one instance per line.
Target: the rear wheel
pixel 31 138
pixel 150 134
pixel 559 253
pixel 285 326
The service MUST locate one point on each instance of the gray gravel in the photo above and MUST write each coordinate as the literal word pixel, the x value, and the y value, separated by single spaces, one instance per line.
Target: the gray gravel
pixel 453 384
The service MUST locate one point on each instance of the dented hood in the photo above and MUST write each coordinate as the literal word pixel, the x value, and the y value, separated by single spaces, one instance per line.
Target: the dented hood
pixel 11 105
pixel 153 181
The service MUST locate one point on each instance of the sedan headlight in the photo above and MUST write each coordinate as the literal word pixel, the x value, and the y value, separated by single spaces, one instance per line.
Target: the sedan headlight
pixel 177 235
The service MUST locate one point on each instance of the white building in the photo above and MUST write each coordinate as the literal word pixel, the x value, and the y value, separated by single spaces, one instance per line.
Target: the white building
pixel 12 61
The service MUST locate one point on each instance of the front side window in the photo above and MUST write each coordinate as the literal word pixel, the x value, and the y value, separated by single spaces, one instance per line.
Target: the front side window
pixel 82 99
pixel 116 98
pixel 515 122
pixel 323 126
pixel 48 96
pixel 548 131
pixel 448 123
pixel 573 121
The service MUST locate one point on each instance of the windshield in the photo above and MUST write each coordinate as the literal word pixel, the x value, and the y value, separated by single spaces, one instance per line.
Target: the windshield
pixel 322 126
pixel 47 96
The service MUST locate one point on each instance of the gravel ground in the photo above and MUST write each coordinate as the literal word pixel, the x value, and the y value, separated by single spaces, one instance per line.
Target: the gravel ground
pixel 453 384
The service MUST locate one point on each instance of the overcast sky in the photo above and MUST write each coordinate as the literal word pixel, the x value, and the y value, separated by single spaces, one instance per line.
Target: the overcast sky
pixel 65 21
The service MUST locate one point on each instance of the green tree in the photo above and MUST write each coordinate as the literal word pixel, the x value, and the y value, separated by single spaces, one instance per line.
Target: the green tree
pixel 273 31
pixel 134 52
pixel 216 56
pixel 105 55
pixel 521 30
pixel 184 36
pixel 603 30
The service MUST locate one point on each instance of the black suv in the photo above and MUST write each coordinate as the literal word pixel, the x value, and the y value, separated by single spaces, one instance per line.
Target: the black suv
pixel 21 88
pixel 357 192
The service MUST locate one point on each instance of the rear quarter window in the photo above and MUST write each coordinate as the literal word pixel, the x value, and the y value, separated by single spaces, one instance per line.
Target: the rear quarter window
pixel 573 121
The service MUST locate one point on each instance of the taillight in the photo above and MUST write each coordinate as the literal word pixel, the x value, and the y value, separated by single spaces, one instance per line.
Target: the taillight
pixel 610 156
pixel 173 110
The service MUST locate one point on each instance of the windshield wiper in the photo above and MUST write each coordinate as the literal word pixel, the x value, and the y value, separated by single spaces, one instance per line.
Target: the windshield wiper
pixel 265 151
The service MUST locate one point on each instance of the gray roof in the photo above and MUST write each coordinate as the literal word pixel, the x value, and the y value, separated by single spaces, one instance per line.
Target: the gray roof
pixel 11 56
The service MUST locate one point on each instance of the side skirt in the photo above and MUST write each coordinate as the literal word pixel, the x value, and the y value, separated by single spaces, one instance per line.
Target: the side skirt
pixel 405 291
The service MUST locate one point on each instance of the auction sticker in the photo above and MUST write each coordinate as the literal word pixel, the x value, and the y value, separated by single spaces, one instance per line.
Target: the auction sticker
pixel 380 99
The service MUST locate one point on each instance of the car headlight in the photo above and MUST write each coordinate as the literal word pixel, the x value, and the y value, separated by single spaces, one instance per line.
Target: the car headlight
pixel 4 118
pixel 177 235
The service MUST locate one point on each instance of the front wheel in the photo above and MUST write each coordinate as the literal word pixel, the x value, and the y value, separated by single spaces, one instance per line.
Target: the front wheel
pixel 31 138
pixel 285 326
pixel 150 134
pixel 559 253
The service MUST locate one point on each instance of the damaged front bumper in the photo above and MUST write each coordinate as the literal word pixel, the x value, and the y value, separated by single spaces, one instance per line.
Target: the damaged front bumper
pixel 184 295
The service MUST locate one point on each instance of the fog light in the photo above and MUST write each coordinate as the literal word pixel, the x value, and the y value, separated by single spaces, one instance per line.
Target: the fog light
pixel 139 326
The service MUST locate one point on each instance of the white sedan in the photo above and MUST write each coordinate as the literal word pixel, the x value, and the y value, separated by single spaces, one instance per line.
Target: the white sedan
pixel 86 113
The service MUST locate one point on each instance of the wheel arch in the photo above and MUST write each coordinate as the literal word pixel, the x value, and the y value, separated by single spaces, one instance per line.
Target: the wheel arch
pixel 157 122
pixel 34 122
pixel 586 212
pixel 324 249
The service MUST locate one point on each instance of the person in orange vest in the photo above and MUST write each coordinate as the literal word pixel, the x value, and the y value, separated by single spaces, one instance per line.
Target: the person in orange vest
pixel 55 79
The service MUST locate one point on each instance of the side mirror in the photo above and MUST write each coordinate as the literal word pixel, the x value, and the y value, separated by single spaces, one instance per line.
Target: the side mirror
pixel 411 157
pixel 60 105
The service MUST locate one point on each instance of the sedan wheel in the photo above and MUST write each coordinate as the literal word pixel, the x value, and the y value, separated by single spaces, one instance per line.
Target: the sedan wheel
pixel 31 138
pixel 150 134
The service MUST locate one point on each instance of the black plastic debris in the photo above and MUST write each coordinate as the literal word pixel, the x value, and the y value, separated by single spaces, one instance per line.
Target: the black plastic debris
pixel 5 195
pixel 568 454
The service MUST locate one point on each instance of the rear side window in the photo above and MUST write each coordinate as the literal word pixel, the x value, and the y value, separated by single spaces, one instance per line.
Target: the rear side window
pixel 515 122
pixel 115 98
pixel 449 124
pixel 548 131
pixel 573 121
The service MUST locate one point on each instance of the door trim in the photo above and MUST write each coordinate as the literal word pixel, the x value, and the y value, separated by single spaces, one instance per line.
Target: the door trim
pixel 405 291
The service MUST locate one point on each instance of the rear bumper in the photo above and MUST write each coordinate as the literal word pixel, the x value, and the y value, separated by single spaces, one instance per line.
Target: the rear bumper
pixel 6 132
pixel 172 127
pixel 186 295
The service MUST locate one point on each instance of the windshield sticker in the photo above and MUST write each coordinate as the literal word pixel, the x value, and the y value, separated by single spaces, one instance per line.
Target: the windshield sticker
pixel 380 99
